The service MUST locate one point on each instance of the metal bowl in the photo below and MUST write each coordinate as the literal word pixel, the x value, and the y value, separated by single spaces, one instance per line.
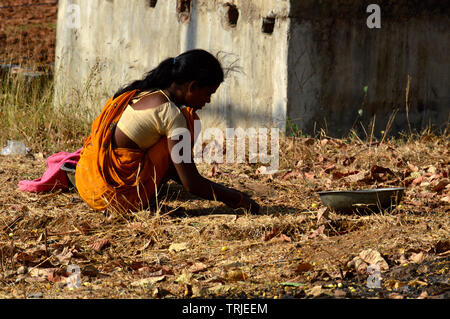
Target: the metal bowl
pixel 70 172
pixel 363 200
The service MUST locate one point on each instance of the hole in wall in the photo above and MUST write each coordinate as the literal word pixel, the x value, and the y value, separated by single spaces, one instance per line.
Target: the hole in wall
pixel 184 10
pixel 268 24
pixel 231 15
pixel 152 3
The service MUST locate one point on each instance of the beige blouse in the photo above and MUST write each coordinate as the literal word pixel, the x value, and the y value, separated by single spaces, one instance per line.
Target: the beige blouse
pixel 146 127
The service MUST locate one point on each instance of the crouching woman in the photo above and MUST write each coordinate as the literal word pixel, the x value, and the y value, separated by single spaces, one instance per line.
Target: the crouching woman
pixel 128 153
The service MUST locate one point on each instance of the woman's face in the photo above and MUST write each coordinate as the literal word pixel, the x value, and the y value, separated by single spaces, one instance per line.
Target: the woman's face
pixel 197 96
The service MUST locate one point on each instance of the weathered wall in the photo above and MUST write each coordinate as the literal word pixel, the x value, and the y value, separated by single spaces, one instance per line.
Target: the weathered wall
pixel 125 39
pixel 333 55
pixel 311 69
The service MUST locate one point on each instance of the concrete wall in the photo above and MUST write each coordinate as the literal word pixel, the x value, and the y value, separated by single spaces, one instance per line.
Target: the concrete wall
pixel 118 41
pixel 333 55
pixel 311 69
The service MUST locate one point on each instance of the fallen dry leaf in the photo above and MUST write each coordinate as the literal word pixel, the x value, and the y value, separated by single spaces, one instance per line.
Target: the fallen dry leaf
pixel 440 185
pixel 236 275
pixel 260 189
pixel 434 177
pixel 348 161
pixel 84 228
pixel 375 169
pixel 412 167
pixel 417 283
pixel 197 267
pixel 100 244
pixel 147 281
pixel 445 199
pixel 177 247
pixel 315 291
pixel 158 273
pixel 261 170
pixel 323 142
pixel 442 246
pixel 65 256
pixel 395 295
pixel 380 173
pixel 310 175
pixel 329 168
pixel 269 235
pixel 423 295
pixel 317 232
pixel 291 146
pixel 136 226
pixel 55 275
pixel 373 257
pixel 136 265
pixel 185 278
pixel 303 267
pixel 366 258
pixel 358 264
pixel 89 271
pixel 281 238
pixel 394 284
pixel 323 213
pixel 293 174
pixel 417 257
pixel 431 169
pixel 308 141
pixel 338 175
pixel 355 178
pixel 402 259
pixel 219 289
pixel 42 274
pixel 213 172
pixel 418 180
pixel 31 257
pixel 264 170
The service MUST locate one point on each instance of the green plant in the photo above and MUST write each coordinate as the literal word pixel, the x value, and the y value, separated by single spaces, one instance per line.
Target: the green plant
pixel 291 128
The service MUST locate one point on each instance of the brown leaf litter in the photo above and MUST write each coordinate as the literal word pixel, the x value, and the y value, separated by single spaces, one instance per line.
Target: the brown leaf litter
pixel 295 247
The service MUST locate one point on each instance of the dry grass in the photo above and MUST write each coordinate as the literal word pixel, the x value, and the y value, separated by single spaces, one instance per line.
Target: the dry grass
pixel 282 252
pixel 225 252
pixel 27 113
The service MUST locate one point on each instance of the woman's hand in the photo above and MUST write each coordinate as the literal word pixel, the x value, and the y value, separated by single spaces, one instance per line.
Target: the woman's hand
pixel 247 203
pixel 196 184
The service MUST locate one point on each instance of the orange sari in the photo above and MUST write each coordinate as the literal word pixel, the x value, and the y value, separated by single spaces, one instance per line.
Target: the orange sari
pixel 121 178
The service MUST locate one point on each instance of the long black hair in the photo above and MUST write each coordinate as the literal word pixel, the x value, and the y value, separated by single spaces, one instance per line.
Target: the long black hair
pixel 194 65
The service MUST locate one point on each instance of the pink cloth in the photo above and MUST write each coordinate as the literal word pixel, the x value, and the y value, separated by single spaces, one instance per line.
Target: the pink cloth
pixel 54 177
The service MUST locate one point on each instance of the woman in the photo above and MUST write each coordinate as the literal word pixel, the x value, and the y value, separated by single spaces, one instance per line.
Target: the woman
pixel 127 156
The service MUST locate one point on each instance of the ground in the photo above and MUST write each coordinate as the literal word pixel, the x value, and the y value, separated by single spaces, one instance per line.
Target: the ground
pixel 188 247
pixel 28 26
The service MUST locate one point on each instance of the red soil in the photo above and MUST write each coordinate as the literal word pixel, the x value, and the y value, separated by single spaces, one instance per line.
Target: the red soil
pixel 28 32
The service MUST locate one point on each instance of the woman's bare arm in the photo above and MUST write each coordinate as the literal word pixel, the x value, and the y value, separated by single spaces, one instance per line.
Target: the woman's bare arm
pixel 196 184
